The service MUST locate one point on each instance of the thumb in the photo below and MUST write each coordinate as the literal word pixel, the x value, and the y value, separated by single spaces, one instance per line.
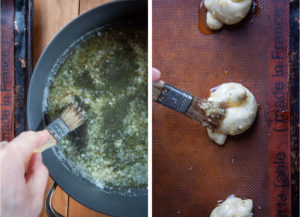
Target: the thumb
pixel 37 176
pixel 24 144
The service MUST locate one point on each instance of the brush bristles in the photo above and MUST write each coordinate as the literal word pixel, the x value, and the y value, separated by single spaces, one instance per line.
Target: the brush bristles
pixel 73 117
pixel 210 114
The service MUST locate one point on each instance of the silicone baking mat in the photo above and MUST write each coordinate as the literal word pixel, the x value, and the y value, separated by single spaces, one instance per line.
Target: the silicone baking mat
pixel 190 172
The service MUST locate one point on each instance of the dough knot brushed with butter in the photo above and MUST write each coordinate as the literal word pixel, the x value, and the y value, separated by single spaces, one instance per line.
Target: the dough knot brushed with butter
pixel 233 207
pixel 225 11
pixel 240 114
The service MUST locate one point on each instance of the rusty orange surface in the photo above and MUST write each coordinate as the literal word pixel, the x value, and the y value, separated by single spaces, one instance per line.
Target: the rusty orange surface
pixel 190 172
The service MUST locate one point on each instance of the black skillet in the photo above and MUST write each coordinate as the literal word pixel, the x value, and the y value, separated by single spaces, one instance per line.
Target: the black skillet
pixel 78 188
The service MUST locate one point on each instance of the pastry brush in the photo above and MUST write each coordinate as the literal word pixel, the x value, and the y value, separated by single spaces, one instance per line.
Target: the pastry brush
pixel 209 113
pixel 71 118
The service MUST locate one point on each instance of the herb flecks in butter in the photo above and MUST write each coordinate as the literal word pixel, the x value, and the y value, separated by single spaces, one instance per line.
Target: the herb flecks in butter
pixel 106 74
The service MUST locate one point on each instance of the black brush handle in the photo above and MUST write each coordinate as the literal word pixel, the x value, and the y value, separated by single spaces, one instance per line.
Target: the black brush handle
pixel 171 96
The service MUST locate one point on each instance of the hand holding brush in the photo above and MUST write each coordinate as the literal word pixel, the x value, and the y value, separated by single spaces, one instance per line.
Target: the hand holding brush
pixel 71 118
pixel 24 174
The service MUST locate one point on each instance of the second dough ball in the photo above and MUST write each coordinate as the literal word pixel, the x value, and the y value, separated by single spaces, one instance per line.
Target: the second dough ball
pixel 225 11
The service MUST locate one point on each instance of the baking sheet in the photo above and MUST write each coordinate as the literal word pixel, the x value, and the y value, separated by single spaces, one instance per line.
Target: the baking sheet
pixel 190 172
pixel 16 65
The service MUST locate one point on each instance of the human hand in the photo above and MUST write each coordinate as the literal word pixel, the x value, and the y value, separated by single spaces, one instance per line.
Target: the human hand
pixel 22 189
pixel 155 74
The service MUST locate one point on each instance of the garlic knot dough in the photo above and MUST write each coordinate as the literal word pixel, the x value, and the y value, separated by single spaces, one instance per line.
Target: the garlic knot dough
pixel 233 207
pixel 225 11
pixel 240 114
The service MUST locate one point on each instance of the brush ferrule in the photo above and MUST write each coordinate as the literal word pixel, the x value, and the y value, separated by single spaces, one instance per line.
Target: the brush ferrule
pixel 58 129
pixel 175 99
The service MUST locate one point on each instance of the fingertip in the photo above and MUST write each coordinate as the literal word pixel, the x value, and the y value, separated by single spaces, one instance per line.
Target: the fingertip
pixel 155 74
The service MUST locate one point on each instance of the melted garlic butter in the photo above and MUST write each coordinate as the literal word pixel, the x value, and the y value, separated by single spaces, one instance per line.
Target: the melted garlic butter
pixel 233 207
pixel 225 11
pixel 241 111
pixel 106 74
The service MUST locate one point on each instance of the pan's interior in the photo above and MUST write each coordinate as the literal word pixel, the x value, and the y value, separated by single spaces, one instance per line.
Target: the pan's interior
pixel 101 72
pixel 112 203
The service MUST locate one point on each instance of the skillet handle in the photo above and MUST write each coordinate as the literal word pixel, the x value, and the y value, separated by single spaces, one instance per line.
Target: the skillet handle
pixel 48 202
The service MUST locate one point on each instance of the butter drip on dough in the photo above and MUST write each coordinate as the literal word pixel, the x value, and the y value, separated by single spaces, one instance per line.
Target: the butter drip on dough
pixel 225 11
pixel 233 207
pixel 240 114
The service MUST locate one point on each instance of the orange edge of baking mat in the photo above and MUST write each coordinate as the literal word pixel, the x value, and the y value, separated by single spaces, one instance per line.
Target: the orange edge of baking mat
pixel 279 130
pixel 7 70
